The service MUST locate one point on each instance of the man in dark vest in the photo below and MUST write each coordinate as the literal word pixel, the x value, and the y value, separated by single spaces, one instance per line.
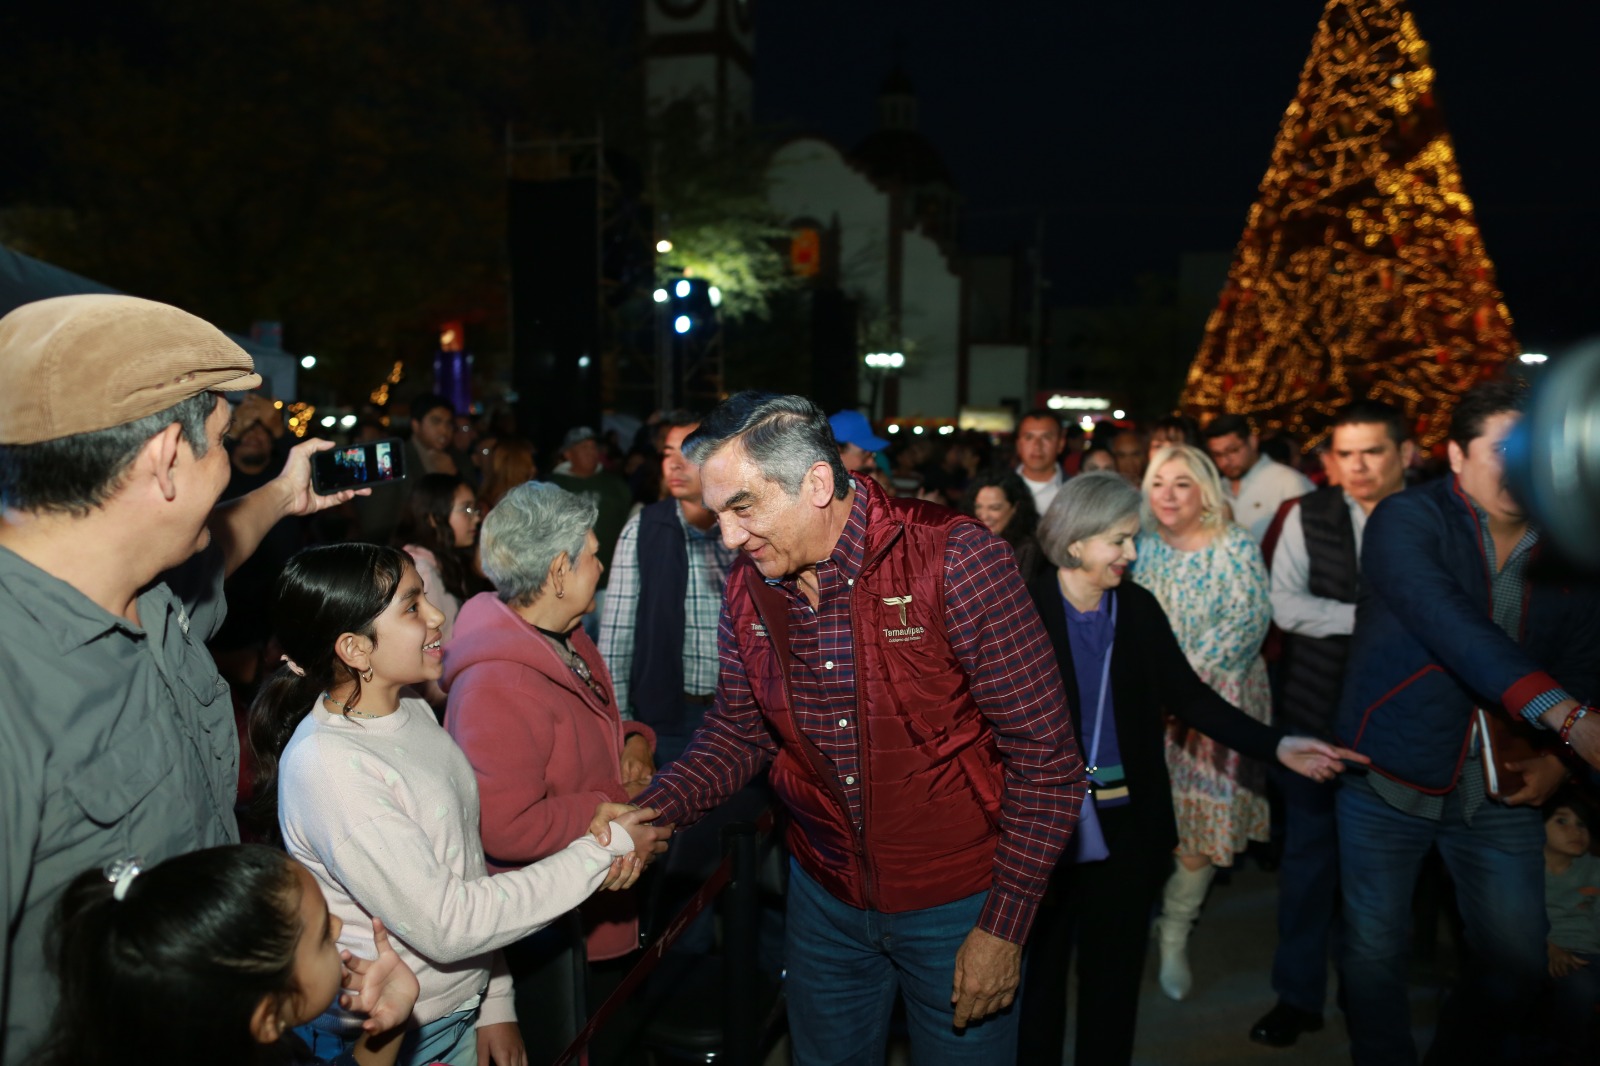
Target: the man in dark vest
pixel 658 636
pixel 658 629
pixel 883 658
pixel 1315 578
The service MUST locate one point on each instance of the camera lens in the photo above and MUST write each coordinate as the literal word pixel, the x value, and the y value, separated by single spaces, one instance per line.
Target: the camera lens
pixel 1553 455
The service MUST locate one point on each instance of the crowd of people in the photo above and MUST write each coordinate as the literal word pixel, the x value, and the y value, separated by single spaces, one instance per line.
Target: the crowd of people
pixel 1017 699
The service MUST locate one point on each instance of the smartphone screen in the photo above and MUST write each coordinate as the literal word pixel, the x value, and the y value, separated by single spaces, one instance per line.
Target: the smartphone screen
pixel 355 466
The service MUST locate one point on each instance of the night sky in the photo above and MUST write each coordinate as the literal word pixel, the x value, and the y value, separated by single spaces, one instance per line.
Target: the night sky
pixel 1142 129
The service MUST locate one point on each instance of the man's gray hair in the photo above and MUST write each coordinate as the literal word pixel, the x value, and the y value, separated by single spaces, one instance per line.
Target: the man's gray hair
pixel 529 529
pixel 74 475
pixel 1085 507
pixel 785 436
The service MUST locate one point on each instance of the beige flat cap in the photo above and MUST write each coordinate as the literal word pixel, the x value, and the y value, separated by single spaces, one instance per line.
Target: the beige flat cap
pixel 75 364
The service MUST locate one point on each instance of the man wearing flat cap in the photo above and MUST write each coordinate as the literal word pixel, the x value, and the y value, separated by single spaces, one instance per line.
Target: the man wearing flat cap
pixel 117 737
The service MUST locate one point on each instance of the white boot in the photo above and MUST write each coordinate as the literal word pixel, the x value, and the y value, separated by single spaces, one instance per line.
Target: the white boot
pixel 1180 905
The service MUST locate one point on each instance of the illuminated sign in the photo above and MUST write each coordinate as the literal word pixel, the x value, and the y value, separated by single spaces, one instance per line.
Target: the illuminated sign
pixel 1064 402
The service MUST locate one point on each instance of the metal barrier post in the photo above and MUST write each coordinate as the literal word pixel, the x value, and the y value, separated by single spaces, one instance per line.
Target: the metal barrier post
pixel 741 910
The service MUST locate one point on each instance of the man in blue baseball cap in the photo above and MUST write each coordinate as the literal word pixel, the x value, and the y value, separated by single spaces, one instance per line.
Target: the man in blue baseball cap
pixel 857 443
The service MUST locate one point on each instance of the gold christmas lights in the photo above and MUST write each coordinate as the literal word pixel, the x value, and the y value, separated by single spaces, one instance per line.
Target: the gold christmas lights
pixel 1361 271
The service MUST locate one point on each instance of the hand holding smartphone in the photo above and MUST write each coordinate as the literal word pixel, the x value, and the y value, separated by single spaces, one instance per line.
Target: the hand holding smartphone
pixel 356 466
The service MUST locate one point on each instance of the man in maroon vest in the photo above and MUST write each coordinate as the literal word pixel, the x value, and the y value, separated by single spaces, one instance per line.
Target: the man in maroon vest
pixel 883 657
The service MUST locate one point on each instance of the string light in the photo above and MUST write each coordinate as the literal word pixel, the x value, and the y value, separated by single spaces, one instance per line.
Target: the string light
pixel 300 416
pixel 1361 271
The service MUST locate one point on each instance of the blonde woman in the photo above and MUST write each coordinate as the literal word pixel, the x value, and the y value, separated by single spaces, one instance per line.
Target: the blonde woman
pixel 1207 574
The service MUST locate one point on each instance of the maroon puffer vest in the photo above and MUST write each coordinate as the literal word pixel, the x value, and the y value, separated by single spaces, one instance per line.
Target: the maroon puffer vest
pixel 932 780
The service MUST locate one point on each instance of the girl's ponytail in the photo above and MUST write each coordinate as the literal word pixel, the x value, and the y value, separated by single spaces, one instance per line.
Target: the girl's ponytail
pixel 322 593
pixel 282 700
pixel 195 942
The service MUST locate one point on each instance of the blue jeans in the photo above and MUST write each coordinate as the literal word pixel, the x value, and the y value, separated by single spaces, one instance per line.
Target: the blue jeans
pixel 1497 864
pixel 1308 892
pixel 845 966
pixel 452 1039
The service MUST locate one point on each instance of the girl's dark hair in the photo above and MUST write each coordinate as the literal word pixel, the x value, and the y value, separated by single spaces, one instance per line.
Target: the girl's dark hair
pixel 198 940
pixel 426 523
pixel 1024 521
pixel 323 592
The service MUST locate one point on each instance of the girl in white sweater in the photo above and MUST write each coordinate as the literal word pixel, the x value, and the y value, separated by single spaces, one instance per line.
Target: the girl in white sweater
pixel 382 807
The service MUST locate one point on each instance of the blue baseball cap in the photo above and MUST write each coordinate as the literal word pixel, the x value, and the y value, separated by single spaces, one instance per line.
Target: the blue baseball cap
pixel 852 427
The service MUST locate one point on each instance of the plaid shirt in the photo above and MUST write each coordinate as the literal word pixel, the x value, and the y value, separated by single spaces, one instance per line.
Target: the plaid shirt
pixel 709 563
pixel 1012 675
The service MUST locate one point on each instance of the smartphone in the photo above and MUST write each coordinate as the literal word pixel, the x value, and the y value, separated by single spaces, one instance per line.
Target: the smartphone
pixel 355 466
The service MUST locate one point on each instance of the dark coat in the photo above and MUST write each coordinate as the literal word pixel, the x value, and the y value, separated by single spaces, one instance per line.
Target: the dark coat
pixel 1427 651
pixel 1149 676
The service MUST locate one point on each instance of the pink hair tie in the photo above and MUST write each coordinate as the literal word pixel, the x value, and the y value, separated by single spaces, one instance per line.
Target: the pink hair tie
pixel 293 666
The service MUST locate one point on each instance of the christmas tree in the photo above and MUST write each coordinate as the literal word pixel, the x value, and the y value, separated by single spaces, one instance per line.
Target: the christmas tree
pixel 1361 271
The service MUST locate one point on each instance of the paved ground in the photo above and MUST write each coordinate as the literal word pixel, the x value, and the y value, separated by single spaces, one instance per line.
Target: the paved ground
pixel 1231 955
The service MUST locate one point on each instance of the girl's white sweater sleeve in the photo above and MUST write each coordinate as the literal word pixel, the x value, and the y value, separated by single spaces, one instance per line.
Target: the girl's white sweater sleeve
pixel 386 863
pixel 389 809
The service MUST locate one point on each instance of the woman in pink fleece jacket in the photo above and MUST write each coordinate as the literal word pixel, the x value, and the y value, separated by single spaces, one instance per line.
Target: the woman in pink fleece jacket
pixel 531 702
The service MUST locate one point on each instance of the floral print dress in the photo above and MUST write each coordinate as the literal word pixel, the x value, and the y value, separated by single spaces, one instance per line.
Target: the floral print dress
pixel 1216 599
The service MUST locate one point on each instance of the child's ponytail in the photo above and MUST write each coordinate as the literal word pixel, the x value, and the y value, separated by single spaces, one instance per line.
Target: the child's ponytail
pixel 190 947
pixel 322 593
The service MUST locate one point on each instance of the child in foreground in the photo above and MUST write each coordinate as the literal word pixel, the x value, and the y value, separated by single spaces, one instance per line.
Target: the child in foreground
pixel 213 957
pixel 382 807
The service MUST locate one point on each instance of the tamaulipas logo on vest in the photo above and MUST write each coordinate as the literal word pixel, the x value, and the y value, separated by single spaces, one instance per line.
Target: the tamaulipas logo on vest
pixel 907 632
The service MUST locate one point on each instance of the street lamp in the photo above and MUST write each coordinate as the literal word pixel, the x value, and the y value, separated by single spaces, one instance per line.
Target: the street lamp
pixel 886 364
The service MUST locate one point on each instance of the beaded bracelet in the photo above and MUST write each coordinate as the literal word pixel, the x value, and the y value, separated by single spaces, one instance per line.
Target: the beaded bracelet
pixel 1572 720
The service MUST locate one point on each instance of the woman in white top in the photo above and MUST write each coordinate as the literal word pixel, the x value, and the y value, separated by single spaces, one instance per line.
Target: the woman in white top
pixel 382 807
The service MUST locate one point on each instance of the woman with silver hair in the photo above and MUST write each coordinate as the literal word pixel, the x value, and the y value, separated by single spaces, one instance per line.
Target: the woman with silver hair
pixel 1121 666
pixel 531 703
pixel 1207 574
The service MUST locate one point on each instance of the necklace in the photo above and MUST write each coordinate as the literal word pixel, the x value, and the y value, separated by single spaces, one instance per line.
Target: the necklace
pixel 351 710
pixel 574 662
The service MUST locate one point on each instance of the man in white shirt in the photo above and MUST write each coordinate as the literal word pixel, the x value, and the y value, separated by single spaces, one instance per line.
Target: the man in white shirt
pixel 1040 439
pixel 1316 574
pixel 1256 485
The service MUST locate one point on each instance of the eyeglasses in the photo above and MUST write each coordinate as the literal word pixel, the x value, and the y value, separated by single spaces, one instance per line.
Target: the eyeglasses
pixel 470 509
